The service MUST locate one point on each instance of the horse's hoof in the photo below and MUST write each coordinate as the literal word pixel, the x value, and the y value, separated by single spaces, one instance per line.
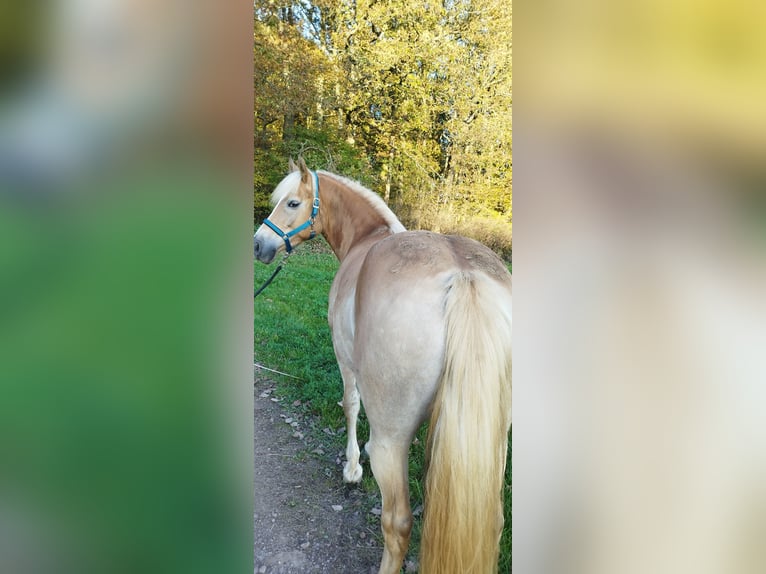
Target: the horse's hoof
pixel 352 474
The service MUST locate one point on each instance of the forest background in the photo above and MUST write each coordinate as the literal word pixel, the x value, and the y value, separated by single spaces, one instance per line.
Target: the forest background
pixel 412 99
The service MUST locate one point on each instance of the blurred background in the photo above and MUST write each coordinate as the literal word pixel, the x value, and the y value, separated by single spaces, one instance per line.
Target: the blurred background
pixel 640 320
pixel 125 310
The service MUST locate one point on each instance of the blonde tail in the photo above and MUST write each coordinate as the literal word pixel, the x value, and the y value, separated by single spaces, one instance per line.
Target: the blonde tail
pixel 468 432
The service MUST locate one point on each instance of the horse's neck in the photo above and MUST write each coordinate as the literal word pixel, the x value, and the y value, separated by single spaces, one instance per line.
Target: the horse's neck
pixel 349 222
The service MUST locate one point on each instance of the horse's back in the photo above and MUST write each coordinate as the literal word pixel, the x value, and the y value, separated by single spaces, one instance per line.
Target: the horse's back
pixel 403 265
pixel 400 320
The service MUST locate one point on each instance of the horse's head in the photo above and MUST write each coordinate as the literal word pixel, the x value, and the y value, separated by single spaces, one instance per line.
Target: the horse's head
pixel 296 204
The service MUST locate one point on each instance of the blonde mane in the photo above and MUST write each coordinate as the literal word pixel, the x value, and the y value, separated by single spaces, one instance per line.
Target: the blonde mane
pixel 372 198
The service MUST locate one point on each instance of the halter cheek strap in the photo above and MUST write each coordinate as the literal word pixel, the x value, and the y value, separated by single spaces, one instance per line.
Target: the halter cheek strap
pixel 286 235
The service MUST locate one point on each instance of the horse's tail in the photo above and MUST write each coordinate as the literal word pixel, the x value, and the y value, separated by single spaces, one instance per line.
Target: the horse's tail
pixel 468 432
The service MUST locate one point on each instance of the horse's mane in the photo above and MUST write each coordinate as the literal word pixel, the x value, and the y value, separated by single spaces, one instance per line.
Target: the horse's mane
pixel 372 198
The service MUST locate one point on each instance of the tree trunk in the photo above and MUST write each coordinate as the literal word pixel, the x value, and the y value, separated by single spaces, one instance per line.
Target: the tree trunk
pixel 288 128
pixel 387 195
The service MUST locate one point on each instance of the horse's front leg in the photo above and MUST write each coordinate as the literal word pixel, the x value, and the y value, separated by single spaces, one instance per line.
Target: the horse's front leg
pixel 352 470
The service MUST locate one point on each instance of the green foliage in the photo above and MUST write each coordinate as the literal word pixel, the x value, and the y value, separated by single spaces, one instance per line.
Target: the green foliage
pixel 292 336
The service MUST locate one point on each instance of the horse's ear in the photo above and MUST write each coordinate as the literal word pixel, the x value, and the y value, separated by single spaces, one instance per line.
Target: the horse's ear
pixel 292 166
pixel 305 173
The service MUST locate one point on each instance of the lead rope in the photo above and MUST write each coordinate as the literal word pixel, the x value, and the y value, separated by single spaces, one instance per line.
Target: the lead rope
pixel 270 279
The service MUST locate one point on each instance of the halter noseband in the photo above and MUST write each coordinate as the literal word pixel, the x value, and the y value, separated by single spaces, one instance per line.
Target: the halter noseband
pixel 309 222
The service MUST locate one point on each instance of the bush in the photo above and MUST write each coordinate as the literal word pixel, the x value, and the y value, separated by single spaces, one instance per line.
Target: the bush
pixel 494 232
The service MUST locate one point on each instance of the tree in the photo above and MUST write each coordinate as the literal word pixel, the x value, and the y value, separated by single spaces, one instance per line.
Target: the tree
pixel 421 91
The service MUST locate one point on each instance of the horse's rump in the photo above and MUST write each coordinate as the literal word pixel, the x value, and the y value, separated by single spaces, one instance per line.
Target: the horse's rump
pixel 434 334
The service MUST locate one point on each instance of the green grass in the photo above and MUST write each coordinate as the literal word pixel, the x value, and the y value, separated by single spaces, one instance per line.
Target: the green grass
pixel 291 333
pixel 292 336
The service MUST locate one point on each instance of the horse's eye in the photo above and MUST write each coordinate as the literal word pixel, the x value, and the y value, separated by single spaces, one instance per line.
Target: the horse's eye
pixel 293 203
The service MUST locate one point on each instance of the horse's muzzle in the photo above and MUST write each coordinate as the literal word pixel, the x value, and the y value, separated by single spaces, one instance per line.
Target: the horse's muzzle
pixel 263 251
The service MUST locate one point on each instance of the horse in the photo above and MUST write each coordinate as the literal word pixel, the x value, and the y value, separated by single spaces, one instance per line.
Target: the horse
pixel 421 328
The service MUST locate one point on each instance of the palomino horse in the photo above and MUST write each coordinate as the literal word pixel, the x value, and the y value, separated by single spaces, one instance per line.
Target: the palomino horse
pixel 421 326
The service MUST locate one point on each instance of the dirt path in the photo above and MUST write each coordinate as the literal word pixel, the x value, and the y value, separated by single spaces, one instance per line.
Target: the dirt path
pixel 306 520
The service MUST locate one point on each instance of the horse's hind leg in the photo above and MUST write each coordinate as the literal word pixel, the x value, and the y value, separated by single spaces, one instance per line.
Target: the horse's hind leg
pixel 352 470
pixel 389 466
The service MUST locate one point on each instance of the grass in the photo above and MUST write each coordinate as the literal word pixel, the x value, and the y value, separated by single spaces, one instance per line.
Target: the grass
pixel 292 336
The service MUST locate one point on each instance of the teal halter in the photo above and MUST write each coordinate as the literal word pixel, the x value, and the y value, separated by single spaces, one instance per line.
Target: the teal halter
pixel 286 235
